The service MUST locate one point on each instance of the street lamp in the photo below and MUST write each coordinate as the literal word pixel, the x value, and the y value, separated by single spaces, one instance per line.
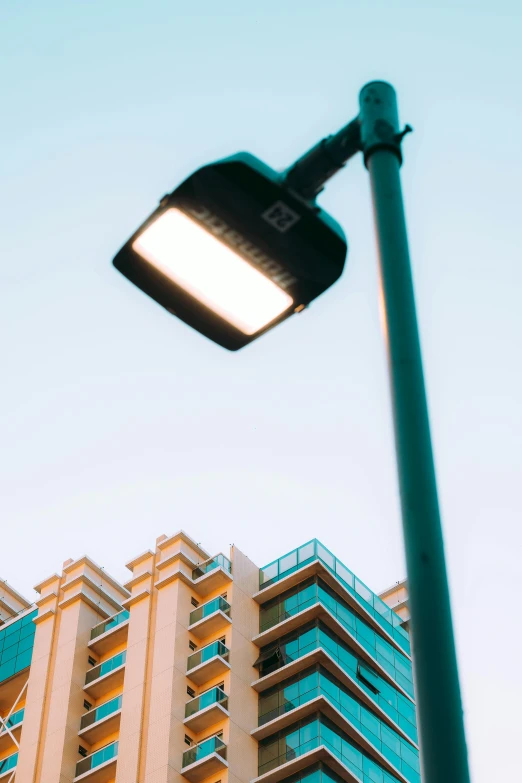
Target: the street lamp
pixel 235 250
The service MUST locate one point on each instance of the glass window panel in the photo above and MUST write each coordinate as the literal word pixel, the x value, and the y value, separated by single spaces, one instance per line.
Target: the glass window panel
pixel 410 757
pixel 326 556
pixel 371 722
pixel 391 739
pixel 384 649
pixel 308 593
pixel 308 683
pixel 306 552
pixel 330 688
pixel 406 708
pixel 364 592
pixel 269 572
pixel 308 732
pixel 344 574
pixel 375 773
pixel 353 756
pixel 9 652
pixel 287 562
pixel 291 694
pixel 392 757
pixel 307 638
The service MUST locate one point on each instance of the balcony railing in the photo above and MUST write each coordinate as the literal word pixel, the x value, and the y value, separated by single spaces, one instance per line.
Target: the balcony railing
pixel 209 565
pixel 213 696
pixel 96 759
pixel 107 666
pixel 314 550
pixel 100 712
pixel 204 749
pixel 9 763
pixel 109 624
pixel 206 653
pixel 14 720
pixel 209 608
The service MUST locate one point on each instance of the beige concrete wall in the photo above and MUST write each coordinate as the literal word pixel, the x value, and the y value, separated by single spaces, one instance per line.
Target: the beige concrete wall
pixel 135 685
pixel 68 607
pixel 242 749
pixel 151 733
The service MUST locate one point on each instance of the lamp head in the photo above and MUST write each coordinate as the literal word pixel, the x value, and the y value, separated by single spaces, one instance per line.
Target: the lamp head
pixel 233 252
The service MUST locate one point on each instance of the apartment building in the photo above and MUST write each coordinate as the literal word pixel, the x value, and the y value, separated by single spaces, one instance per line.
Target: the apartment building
pixel 206 668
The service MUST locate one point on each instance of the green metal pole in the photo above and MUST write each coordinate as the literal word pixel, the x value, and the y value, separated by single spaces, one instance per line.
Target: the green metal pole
pixel 441 727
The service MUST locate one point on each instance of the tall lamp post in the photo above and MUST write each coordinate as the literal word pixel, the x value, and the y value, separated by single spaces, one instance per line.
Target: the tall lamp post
pixel 238 248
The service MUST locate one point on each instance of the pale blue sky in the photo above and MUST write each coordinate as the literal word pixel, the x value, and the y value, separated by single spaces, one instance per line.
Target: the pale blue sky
pixel 118 423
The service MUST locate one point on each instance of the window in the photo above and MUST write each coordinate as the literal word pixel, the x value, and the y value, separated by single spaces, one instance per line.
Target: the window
pixel 194 601
pixel 191 692
pixel 224 595
pixel 92 661
pixel 82 751
pixel 87 704
pixel 188 740
pixel 223 640
pixel 193 646
pixel 369 678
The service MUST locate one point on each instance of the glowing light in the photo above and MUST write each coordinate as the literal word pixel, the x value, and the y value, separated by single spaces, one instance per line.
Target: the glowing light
pixel 211 272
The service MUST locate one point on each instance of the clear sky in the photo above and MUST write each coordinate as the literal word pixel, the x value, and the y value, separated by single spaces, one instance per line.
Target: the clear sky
pixel 118 423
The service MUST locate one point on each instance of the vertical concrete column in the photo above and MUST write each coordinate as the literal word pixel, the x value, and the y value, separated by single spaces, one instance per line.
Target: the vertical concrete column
pixel 68 609
pixel 135 691
pixel 243 700
pixel 36 704
pixel 163 726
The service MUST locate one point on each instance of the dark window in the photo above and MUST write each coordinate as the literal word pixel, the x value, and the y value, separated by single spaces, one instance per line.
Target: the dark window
pixel 193 646
pixel 369 677
pixel 87 704
pixel 194 601
pixel 92 661
pixel 188 740
pixel 82 751
pixel 191 692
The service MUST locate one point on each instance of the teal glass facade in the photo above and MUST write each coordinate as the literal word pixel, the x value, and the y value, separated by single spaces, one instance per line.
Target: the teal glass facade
pixel 16 645
pixel 315 591
pixel 315 682
pixel 305 736
pixel 317 636
pixel 361 668
pixel 314 550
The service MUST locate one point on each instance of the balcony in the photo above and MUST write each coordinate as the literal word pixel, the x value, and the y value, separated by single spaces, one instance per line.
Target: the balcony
pixel 8 764
pixel 14 724
pixel 107 676
pixel 209 662
pixel 205 759
pixel 99 767
pixel 210 619
pixel 206 710
pixel 305 561
pixel 102 721
pixel 110 634
pixel 214 574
